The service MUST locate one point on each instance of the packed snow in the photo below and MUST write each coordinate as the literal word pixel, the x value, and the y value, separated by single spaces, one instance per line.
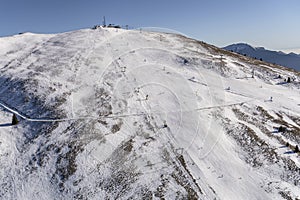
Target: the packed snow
pixel 119 114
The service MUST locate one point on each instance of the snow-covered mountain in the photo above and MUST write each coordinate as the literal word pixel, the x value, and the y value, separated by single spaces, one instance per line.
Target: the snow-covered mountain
pixel 126 114
pixel 290 60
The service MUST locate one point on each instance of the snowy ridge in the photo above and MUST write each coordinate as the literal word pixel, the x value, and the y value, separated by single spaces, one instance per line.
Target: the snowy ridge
pixel 117 114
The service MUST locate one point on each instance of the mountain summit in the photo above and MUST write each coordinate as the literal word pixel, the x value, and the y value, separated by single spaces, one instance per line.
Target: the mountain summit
pixel 107 113
pixel 290 60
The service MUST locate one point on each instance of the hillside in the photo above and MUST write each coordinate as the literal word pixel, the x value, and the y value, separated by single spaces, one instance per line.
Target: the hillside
pixel 117 114
pixel 290 60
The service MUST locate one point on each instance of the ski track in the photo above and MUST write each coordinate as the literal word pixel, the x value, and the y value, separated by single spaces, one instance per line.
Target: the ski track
pixel 194 142
pixel 148 113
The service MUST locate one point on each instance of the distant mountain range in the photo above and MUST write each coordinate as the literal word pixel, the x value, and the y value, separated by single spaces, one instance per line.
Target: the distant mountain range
pixel 290 60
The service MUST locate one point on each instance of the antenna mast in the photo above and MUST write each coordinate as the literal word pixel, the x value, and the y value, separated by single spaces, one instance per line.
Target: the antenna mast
pixel 104 22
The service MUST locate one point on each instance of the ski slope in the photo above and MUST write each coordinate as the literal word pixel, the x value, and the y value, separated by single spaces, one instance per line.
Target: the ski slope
pixel 119 114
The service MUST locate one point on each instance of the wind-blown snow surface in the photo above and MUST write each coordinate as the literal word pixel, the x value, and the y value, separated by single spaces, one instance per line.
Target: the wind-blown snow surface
pixel 117 114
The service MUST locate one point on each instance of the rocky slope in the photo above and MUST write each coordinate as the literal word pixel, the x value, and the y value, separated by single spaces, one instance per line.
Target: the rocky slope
pixel 116 114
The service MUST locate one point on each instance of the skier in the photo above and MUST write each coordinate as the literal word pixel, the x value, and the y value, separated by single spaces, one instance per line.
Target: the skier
pixel 137 90
pixel 165 124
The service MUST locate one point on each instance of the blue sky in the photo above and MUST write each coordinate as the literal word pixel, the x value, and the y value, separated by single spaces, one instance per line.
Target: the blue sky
pixel 270 23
